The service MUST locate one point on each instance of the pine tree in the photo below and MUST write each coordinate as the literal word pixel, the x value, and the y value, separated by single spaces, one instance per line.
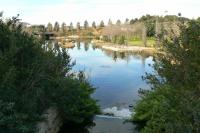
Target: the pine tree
pixel 101 24
pixel 118 22
pixel 94 25
pixel 86 25
pixel 78 26
pixel 56 27
pixel 110 22
pixel 49 27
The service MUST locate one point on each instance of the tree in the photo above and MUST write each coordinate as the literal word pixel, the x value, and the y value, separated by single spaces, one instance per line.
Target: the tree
pixel 122 39
pixel 71 27
pixel 78 26
pixel 144 36
pixel 179 14
pixel 173 103
pixel 127 21
pixel 132 21
pixel 101 24
pixel 94 25
pixel 157 29
pixel 34 78
pixel 152 24
pixel 63 27
pixel 37 28
pixel 49 27
pixel 110 22
pixel 1 13
pixel 56 27
pixel 86 25
pixel 118 22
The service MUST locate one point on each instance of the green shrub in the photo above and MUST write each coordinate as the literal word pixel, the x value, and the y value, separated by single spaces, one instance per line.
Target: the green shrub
pixel 35 77
pixel 173 104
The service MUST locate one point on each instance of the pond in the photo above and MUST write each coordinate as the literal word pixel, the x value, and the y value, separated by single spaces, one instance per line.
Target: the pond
pixel 117 77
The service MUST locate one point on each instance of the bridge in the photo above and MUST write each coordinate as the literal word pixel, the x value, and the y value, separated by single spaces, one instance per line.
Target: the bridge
pixel 48 35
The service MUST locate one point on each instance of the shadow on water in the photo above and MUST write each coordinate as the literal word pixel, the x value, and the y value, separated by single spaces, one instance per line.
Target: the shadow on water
pixel 103 126
pixel 72 127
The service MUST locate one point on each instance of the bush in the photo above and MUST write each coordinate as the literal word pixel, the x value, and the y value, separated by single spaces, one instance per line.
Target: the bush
pixel 33 78
pixel 173 104
pixel 119 39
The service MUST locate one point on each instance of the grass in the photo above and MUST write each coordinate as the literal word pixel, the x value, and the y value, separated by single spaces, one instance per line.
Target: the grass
pixel 138 42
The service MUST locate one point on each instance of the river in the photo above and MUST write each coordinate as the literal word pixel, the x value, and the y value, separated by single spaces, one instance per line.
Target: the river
pixel 117 77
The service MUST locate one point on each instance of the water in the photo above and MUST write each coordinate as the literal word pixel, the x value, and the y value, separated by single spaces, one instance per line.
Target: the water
pixel 117 77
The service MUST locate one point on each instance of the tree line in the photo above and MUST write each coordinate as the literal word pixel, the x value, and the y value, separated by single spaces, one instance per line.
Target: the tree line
pixel 147 19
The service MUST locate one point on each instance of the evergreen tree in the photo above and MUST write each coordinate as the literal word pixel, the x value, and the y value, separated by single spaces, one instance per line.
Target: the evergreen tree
pixel 110 22
pixel 94 25
pixel 118 22
pixel 86 25
pixel 56 27
pixel 127 21
pixel 63 27
pixel 78 26
pixel 101 24
pixel 49 27
pixel 71 27
pixel 132 21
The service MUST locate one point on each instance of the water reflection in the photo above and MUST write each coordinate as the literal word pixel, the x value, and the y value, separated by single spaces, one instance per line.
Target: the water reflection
pixel 78 45
pixel 86 46
pixel 117 77
pixel 71 127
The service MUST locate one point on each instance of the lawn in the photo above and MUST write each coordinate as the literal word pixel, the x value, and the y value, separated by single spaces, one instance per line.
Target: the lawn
pixel 137 42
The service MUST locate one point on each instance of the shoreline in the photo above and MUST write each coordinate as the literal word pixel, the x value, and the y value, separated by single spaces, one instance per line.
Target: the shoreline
pixel 119 48
pixel 125 48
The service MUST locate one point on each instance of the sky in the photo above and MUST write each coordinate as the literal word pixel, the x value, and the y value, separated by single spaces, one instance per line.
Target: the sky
pixel 44 11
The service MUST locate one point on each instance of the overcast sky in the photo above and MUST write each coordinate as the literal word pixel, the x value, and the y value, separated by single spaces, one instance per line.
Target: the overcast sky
pixel 44 11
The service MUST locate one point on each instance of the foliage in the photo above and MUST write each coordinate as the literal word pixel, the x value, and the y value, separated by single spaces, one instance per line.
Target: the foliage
pixel 78 26
pixel 110 22
pixel 56 27
pixel 90 34
pixel 106 39
pixel 149 23
pixel 118 22
pixel 35 77
pixel 63 28
pixel 37 28
pixel 121 40
pixel 118 39
pixel 71 27
pixel 49 27
pixel 101 24
pixel 173 104
pixel 132 21
pixel 86 25
pixel 94 25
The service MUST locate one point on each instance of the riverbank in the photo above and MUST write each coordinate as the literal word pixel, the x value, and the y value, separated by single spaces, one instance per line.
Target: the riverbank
pixel 126 48
pixel 119 48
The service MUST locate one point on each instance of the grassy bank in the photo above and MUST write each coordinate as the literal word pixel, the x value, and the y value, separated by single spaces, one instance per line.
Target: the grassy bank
pixel 138 42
